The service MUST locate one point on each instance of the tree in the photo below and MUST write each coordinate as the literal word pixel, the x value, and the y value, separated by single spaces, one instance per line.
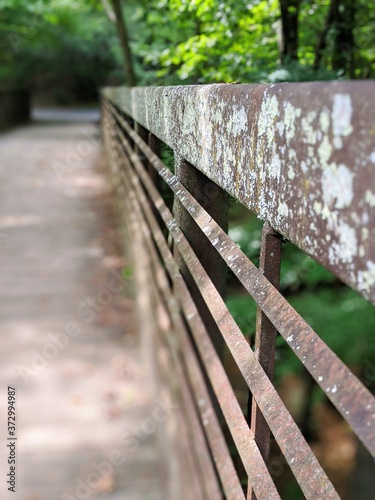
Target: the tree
pixel 341 22
pixel 43 44
pixel 117 18
pixel 220 41
pixel 289 10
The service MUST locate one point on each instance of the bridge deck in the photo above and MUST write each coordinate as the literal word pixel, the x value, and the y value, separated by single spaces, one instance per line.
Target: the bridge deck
pixel 68 338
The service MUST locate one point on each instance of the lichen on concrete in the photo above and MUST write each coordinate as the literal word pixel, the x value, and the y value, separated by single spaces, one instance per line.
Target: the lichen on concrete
pixel 344 249
pixel 366 277
pixel 337 186
pixel 309 132
pixel 291 113
pixel 324 120
pixel 370 198
pixel 266 119
pixel 342 115
pixel 299 155
pixel 324 151
pixel 238 122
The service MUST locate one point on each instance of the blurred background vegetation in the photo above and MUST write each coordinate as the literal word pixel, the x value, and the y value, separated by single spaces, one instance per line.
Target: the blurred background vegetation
pixel 63 51
pixel 46 43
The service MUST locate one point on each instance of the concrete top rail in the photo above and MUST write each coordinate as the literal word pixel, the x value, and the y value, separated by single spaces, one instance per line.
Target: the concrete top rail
pixel 299 155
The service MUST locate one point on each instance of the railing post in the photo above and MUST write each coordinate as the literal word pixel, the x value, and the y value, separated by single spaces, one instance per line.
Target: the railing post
pixel 155 145
pixel 265 337
pixel 215 201
pixel 254 115
pixel 143 134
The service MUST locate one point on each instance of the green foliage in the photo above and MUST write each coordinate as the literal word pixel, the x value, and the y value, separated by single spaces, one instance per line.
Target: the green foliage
pixel 293 491
pixel 243 310
pixel 300 271
pixel 344 320
pixel 173 41
pixel 167 157
pixel 206 41
pixel 127 272
pixel 213 41
pixel 155 27
pixel 246 232
pixel 65 44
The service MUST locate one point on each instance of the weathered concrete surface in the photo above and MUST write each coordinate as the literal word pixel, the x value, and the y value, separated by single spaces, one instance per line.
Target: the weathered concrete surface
pixel 300 155
pixel 78 403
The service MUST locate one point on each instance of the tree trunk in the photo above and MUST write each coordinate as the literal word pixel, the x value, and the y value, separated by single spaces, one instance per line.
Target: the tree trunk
pixel 123 35
pixel 341 19
pixel 289 29
pixel 322 40
pixel 344 46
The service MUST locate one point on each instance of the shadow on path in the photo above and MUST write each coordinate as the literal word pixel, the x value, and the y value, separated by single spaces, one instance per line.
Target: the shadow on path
pixel 68 340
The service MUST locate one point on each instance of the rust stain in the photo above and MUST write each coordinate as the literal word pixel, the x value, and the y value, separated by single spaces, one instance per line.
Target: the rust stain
pixel 302 175
pixel 290 145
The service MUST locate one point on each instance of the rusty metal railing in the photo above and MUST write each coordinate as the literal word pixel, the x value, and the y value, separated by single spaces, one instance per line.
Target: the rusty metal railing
pixel 301 156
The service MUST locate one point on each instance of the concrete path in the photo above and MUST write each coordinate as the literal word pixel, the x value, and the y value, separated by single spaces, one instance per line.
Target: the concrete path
pixel 86 423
